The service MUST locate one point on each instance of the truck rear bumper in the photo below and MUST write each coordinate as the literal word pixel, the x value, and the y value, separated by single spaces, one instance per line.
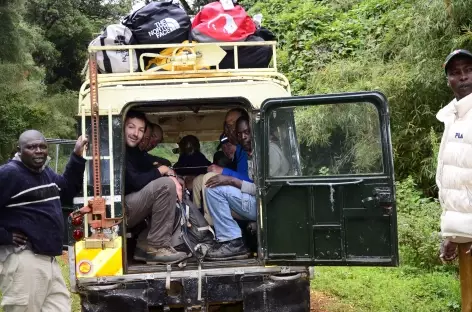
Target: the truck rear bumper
pixel 252 292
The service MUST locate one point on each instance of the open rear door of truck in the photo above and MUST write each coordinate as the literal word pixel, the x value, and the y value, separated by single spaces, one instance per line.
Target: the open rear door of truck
pixel 327 181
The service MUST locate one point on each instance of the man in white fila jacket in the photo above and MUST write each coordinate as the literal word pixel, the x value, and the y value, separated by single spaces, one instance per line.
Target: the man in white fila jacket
pixel 454 172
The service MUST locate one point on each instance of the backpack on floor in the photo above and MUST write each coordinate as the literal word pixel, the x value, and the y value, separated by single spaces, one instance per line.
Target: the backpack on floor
pixel 159 22
pixel 192 233
pixel 115 61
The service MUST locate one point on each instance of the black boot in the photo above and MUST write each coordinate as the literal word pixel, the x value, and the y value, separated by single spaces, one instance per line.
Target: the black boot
pixel 230 250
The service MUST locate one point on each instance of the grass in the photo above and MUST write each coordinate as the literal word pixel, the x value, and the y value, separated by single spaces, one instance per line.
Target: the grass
pixel 65 273
pixel 389 289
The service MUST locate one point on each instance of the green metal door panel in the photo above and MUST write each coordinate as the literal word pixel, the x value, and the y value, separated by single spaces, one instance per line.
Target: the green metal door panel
pixel 328 242
pixel 368 237
pixel 335 205
pixel 326 210
pixel 327 223
pixel 289 219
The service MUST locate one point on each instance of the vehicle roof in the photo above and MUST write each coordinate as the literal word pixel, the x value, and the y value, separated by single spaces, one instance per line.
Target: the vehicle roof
pixel 118 89
pixel 116 96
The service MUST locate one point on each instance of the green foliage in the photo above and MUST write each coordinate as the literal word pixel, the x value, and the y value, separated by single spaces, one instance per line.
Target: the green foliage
pixel 23 105
pixel 165 151
pixel 418 226
pixel 346 138
pixel 16 90
pixel 396 47
pixel 209 149
pixel 9 37
pixel 44 45
pixel 390 289
pixel 67 27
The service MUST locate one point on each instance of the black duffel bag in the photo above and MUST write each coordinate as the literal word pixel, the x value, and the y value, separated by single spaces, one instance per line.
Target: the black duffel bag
pixel 159 23
pixel 249 56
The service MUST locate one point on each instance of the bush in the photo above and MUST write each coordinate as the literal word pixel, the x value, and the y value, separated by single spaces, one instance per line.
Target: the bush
pixel 418 226
pixel 393 46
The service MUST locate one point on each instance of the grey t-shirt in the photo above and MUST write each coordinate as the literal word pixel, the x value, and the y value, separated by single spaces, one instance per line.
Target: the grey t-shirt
pixel 278 166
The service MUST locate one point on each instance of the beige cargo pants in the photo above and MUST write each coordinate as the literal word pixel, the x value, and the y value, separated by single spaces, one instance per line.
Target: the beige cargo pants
pixel 199 194
pixel 32 283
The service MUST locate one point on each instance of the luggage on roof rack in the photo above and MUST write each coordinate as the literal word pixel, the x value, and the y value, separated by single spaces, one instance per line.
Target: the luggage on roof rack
pixel 159 22
pixel 116 61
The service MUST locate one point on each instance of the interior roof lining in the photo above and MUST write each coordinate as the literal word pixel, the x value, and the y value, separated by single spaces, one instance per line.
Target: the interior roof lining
pixel 177 118
pixel 223 104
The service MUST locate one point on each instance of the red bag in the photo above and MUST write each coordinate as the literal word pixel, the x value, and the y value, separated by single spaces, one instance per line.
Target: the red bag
pixel 213 23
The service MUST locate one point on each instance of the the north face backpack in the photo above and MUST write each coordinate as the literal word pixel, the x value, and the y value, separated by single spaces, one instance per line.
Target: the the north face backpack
pixel 192 233
pixel 115 61
pixel 213 23
pixel 159 23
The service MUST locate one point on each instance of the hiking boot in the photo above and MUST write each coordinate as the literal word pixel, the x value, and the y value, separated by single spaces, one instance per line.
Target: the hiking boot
pixel 140 254
pixel 230 250
pixel 164 255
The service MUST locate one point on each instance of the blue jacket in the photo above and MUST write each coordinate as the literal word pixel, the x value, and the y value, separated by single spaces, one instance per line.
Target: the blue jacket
pixel 30 202
pixel 240 157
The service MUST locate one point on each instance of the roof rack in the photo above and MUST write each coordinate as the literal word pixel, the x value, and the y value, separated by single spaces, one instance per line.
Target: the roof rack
pixel 193 60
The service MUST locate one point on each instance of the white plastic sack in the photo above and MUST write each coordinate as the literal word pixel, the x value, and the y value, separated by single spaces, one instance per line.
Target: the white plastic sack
pixel 115 61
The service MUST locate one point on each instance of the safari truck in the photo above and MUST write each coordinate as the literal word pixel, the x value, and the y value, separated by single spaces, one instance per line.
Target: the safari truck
pixel 335 206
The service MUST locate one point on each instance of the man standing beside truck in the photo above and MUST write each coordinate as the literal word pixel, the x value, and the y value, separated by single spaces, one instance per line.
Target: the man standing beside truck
pixel 31 225
pixel 149 191
pixel 453 174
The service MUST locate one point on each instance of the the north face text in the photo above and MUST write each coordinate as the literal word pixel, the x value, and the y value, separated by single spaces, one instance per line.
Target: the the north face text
pixel 164 27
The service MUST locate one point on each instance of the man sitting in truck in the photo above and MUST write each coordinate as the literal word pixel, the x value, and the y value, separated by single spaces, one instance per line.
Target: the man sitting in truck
pixel 240 155
pixel 228 196
pixel 239 161
pixel 151 139
pixel 149 191
pixel 191 162
pixel 225 157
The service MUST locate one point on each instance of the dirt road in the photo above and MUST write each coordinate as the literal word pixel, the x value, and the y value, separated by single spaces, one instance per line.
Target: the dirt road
pixel 320 302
